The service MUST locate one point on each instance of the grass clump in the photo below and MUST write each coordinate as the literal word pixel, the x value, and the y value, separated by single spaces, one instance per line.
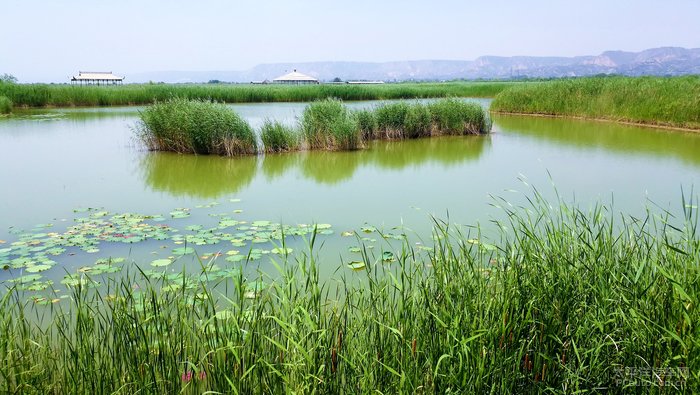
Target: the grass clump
pixel 391 119
pixel 366 122
pixel 5 105
pixel 457 117
pixel 327 124
pixel 567 301
pixel 662 101
pixel 278 137
pixel 445 116
pixel 195 126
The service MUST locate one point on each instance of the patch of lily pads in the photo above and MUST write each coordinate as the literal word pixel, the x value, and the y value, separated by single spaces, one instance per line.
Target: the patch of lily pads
pixel 38 250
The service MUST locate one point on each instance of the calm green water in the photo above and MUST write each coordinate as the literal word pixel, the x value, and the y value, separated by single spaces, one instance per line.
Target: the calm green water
pixel 58 161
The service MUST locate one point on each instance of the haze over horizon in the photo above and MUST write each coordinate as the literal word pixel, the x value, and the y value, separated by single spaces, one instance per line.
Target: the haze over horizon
pixel 50 41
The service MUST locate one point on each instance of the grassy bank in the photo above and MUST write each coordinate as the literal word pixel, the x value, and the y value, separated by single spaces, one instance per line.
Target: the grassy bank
pixel 195 126
pixel 5 105
pixel 41 95
pixel 672 102
pixel 565 302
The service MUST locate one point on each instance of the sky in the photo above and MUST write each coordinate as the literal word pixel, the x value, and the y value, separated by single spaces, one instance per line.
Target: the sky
pixel 50 40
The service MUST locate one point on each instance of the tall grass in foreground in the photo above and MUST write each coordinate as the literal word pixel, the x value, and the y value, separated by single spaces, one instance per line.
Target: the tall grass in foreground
pixel 5 105
pixel 42 95
pixel 672 101
pixel 277 137
pixel 194 126
pixel 566 302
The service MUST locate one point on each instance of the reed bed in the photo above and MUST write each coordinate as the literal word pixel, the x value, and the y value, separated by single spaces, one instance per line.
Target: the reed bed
pixel 661 101
pixel 278 137
pixel 5 105
pixel 195 126
pixel 327 124
pixel 42 95
pixel 565 301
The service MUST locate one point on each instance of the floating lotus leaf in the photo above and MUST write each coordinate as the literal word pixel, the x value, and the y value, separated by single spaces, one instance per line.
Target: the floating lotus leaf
pixel 237 211
pixel 326 232
pixel 281 251
pixel 260 223
pixel 488 247
pixel 21 262
pixel 183 251
pixel 38 285
pixel 234 200
pixel 91 250
pixel 224 315
pixel 73 280
pixel 357 265
pixel 232 252
pixel 180 213
pixel 347 234
pixel 56 251
pixel 99 214
pixel 101 268
pixel 25 279
pixel 194 228
pixel 5 251
pixel 388 256
pixel 368 229
pixel 258 240
pixel 354 249
pixel 161 262
pixel 227 223
pixel 37 268
pixel 43 226
pixel 323 226
pixel 235 258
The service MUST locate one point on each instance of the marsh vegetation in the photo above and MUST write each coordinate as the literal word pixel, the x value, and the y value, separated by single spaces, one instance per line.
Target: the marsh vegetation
pixel 672 101
pixel 565 301
pixel 195 126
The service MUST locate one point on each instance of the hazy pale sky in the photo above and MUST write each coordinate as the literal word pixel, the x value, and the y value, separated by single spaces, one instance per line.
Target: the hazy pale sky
pixel 51 40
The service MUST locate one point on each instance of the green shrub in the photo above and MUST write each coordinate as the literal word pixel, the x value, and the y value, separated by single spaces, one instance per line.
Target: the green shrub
pixel 5 105
pixel 457 117
pixel 277 137
pixel 196 126
pixel 327 124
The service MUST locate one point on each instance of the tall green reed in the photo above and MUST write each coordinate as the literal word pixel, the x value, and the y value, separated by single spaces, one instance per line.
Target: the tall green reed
pixel 195 126
pixel 564 301
pixel 664 101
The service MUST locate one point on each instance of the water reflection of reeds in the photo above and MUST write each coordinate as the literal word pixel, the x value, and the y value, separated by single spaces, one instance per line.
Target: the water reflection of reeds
pixel 211 176
pixel 626 139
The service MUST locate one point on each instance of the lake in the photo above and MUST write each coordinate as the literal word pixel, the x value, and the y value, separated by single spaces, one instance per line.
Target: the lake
pixel 70 171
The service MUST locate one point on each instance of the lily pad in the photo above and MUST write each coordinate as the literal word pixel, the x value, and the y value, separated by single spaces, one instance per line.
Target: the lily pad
pixel 357 265
pixel 388 256
pixel 161 262
pixel 282 251
pixel 183 251
pixel 180 213
pixel 37 268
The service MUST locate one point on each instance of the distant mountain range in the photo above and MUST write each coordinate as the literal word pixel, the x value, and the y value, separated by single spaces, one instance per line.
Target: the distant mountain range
pixel 656 61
